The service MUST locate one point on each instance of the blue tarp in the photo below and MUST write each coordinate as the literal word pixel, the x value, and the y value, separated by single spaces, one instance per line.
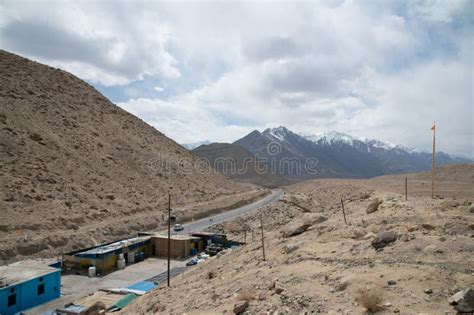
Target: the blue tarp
pixel 145 286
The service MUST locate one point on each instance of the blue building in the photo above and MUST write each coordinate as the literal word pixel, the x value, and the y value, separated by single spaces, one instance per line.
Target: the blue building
pixel 27 284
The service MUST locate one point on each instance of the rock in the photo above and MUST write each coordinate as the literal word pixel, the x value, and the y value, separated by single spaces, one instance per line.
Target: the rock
pixel 313 218
pixel 36 137
pixel 295 229
pixel 373 206
pixel 391 282
pixel 240 307
pixel 428 227
pixel 384 238
pixel 471 208
pixel 290 248
pixel 428 291
pixel 463 301
pixel 278 288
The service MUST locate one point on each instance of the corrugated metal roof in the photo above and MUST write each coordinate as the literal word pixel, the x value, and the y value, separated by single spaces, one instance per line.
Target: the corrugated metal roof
pixel 145 286
pixel 23 271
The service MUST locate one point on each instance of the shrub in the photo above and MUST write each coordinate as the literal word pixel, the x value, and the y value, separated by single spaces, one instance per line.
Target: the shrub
pixel 371 298
pixel 246 295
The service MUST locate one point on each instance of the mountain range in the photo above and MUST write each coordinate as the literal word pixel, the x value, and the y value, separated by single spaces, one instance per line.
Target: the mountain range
pixel 332 154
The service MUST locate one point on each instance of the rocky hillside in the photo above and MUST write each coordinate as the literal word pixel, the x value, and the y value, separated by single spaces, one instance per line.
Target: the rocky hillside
pixel 77 170
pixel 236 162
pixel 392 257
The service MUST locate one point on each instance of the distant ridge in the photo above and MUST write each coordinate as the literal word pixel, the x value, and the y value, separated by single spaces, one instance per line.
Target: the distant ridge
pixel 340 155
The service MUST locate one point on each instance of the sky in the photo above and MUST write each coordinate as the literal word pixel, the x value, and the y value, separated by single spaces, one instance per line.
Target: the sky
pixel 218 70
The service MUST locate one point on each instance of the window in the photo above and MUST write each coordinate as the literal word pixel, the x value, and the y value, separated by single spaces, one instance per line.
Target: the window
pixel 41 289
pixel 11 300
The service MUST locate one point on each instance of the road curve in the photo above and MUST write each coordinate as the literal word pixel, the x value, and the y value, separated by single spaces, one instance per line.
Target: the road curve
pixel 202 224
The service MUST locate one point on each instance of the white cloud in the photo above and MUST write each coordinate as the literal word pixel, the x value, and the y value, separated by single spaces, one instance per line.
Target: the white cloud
pixel 374 69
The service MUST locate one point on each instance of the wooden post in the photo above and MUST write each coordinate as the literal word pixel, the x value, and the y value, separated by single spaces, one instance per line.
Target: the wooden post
pixel 169 236
pixel 263 241
pixel 343 211
pixel 433 162
pixel 406 189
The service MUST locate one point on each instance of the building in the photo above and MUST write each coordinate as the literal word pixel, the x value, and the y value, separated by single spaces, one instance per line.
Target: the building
pixel 181 245
pixel 27 284
pixel 104 257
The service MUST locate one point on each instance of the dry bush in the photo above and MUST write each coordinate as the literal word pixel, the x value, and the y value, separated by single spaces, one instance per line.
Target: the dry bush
pixel 370 297
pixel 211 274
pixel 246 295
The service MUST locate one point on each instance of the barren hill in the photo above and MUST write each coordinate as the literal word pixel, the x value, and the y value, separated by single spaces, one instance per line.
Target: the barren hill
pixel 239 164
pixel 315 263
pixel 76 169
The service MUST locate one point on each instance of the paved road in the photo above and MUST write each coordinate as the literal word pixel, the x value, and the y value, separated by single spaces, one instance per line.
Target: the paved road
pixel 202 224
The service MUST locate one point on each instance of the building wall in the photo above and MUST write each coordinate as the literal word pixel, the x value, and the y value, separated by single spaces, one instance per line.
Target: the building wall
pixel 27 293
pixel 105 262
pixel 180 248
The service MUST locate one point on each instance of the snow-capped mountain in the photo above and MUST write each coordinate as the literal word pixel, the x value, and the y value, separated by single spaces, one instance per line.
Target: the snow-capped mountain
pixel 337 154
pixel 191 146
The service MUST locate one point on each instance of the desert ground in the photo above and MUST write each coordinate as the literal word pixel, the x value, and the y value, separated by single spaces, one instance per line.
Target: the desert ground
pixel 315 263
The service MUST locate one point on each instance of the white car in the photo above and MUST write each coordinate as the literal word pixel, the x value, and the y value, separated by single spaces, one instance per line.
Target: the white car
pixel 178 227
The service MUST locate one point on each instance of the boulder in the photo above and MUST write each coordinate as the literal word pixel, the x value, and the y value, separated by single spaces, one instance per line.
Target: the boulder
pixel 373 206
pixel 240 307
pixel 384 238
pixel 313 218
pixel 463 301
pixel 471 208
pixel 303 224
pixel 295 229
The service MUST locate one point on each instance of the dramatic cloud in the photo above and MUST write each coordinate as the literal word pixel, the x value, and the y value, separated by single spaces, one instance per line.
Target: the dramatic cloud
pixel 196 71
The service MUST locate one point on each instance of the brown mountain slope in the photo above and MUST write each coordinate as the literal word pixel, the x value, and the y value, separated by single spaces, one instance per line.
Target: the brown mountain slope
pixel 76 169
pixel 239 164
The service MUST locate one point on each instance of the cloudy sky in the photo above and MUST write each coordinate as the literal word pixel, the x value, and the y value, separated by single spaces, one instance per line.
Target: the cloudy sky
pixel 218 70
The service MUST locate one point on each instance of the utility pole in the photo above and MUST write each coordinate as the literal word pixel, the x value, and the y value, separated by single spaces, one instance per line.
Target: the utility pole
pixel 263 241
pixel 406 189
pixel 433 162
pixel 169 236
pixel 343 211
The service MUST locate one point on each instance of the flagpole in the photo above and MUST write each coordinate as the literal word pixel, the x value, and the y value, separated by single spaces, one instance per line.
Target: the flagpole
pixel 433 161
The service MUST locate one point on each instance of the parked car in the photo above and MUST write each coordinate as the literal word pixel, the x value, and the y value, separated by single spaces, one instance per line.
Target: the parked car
pixel 178 227
pixel 192 262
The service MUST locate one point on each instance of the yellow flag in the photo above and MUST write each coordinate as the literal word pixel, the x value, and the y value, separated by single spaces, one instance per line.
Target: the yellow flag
pixel 434 127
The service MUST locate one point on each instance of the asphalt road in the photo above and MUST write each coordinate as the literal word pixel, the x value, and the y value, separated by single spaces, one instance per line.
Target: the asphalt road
pixel 202 224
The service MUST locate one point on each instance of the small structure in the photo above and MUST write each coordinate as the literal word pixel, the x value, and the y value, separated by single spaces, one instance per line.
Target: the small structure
pixel 27 284
pixel 104 257
pixel 209 237
pixel 182 246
